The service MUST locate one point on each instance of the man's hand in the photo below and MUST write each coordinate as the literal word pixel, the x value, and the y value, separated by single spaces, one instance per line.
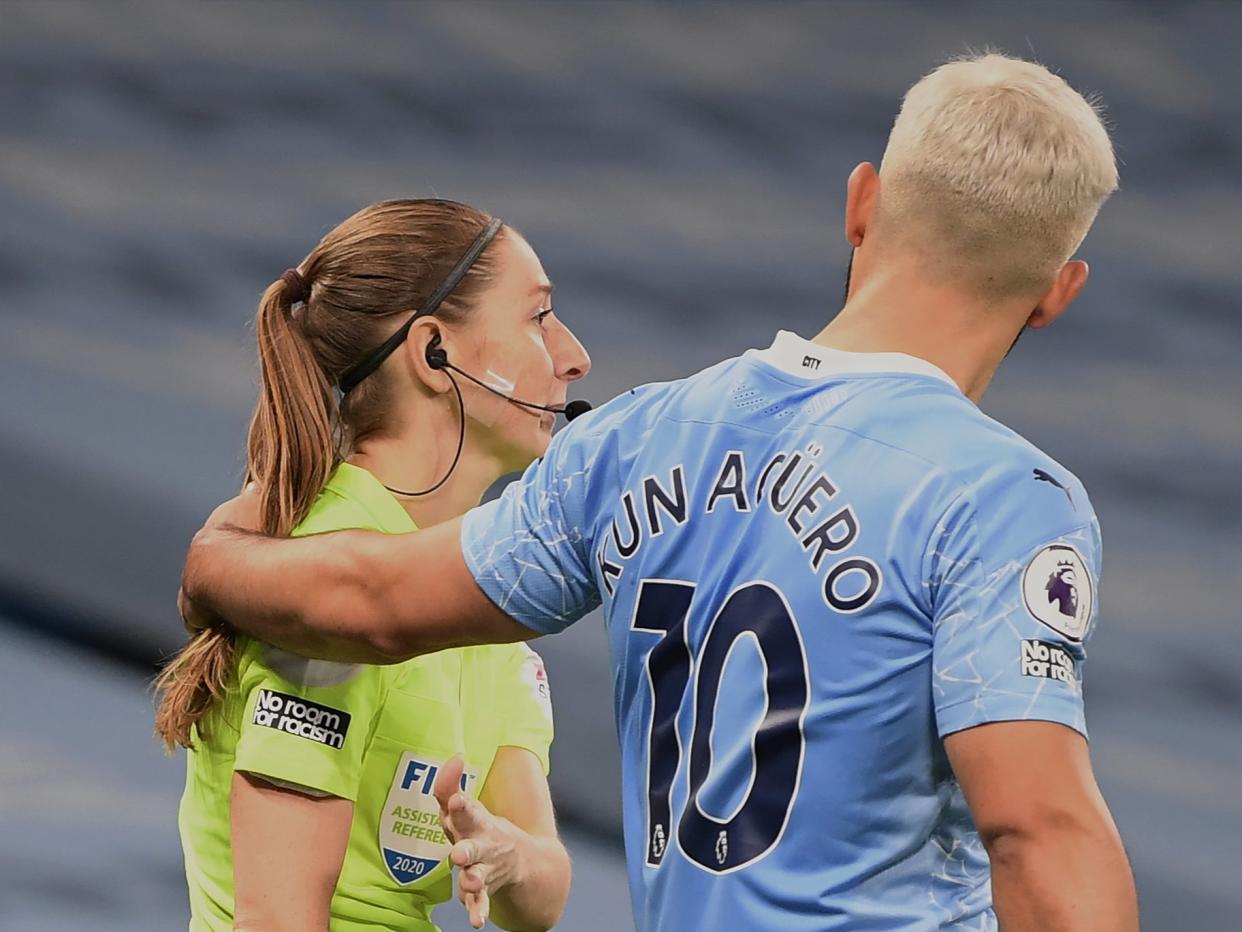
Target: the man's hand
pixel 241 511
pixel 486 848
pixel 195 617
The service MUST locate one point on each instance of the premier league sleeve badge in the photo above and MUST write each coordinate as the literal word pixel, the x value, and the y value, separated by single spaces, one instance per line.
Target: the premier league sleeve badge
pixel 1058 590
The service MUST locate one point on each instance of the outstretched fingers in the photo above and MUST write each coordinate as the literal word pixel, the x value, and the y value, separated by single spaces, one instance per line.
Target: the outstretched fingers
pixel 452 801
pixel 472 891
pixel 447 785
pixel 469 817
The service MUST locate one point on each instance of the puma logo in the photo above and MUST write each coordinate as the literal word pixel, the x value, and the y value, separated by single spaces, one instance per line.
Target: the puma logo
pixel 1041 476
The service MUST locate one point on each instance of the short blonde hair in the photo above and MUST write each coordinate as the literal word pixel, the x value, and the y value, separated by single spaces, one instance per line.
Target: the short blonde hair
pixel 994 172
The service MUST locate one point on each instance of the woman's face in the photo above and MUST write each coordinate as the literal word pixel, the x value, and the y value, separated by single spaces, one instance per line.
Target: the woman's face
pixel 514 342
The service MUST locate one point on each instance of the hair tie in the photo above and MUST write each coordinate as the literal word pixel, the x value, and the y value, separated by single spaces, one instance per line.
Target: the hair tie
pixel 296 287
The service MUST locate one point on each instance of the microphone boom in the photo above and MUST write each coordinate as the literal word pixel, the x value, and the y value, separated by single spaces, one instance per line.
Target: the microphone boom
pixel 572 410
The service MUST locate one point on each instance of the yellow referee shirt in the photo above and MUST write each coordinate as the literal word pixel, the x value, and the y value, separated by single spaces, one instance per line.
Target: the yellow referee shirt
pixel 372 734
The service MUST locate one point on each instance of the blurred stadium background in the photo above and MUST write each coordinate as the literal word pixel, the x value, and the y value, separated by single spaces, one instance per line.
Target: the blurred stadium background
pixel 681 169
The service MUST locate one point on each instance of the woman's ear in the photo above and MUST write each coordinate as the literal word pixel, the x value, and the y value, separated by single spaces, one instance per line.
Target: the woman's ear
pixel 426 354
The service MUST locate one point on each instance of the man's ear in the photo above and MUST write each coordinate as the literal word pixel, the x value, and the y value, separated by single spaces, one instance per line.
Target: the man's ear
pixel 861 195
pixel 1064 290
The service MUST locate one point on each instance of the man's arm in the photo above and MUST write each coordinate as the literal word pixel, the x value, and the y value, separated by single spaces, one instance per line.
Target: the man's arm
pixel 356 596
pixel 1058 864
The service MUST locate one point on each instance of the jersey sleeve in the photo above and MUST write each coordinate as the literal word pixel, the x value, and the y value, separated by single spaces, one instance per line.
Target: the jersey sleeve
pixel 1015 583
pixel 306 723
pixel 529 549
pixel 527 704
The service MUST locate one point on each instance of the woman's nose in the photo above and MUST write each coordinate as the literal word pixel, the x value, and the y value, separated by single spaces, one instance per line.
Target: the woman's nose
pixel 570 358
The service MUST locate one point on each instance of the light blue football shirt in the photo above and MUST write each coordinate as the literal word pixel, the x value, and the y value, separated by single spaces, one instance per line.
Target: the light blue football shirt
pixel 813 565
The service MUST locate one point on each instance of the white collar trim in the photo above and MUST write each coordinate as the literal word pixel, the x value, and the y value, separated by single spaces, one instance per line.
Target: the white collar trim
pixel 792 354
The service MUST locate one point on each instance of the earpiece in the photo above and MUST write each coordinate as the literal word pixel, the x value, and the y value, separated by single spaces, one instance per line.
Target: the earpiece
pixel 436 356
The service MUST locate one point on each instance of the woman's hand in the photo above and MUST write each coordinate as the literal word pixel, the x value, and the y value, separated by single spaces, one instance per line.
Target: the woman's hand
pixel 486 847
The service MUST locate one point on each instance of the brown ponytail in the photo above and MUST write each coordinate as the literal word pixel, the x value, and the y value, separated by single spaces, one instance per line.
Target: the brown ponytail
pixel 291 450
pixel 290 455
pixel 356 286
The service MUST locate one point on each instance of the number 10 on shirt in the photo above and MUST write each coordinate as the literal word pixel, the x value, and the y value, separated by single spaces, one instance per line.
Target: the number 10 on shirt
pixel 757 610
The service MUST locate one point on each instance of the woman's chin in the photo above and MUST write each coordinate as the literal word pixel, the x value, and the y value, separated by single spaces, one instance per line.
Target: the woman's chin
pixel 542 436
pixel 525 451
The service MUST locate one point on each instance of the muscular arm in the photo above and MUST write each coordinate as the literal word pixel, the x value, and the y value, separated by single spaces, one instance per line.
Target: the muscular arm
pixel 356 596
pixel 1057 861
pixel 287 854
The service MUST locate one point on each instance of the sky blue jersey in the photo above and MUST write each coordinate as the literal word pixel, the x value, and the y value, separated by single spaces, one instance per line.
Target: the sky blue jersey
pixel 813 565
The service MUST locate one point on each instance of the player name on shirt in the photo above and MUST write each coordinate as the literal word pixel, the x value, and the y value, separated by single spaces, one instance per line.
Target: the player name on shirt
pixel 790 484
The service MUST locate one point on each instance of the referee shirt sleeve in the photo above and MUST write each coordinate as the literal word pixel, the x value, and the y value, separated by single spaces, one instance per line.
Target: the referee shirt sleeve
pixel 306 723
pixel 527 704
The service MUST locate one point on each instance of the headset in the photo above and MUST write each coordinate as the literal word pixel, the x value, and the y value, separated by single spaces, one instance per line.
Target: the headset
pixel 437 357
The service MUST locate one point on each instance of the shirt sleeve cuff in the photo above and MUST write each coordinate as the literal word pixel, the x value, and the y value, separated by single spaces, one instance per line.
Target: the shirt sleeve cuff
pixel 271 764
pixel 488 563
pixel 967 713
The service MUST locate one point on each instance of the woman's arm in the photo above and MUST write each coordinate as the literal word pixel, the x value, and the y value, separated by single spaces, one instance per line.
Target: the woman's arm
pixel 288 848
pixel 513 866
pixel 517 790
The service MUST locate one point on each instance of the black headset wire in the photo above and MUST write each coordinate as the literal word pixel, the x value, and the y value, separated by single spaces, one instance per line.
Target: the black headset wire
pixel 445 364
pixel 350 379
pixel 461 442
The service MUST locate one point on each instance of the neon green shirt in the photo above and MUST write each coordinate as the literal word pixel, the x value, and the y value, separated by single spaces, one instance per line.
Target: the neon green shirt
pixel 372 734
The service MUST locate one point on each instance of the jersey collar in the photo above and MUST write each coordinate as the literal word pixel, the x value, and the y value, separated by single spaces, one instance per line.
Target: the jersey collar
pixel 792 354
pixel 363 489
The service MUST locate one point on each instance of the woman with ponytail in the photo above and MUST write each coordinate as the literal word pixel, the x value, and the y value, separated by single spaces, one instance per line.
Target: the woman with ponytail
pixel 326 794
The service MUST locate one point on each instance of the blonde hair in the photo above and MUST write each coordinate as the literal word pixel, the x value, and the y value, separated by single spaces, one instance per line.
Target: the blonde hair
pixel 993 173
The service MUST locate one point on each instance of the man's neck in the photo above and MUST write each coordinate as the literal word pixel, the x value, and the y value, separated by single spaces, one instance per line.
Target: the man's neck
pixel 896 313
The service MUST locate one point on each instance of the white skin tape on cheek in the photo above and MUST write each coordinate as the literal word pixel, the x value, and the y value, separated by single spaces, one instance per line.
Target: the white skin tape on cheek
pixel 487 408
pixel 498 382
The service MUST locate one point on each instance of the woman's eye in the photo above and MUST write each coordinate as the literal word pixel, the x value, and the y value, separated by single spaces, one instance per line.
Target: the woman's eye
pixel 542 315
